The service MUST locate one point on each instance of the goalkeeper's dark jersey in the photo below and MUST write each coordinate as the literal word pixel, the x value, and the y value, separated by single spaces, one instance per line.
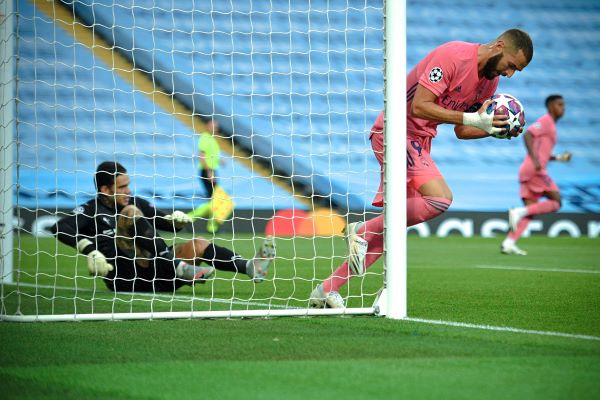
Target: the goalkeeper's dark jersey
pixel 97 222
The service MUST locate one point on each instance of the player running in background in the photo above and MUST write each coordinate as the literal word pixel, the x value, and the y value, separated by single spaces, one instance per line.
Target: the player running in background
pixel 452 84
pixel 535 183
pixel 117 233
pixel 219 205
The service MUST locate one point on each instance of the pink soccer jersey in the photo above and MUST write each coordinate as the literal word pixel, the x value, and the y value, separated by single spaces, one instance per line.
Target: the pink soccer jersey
pixel 543 132
pixel 449 71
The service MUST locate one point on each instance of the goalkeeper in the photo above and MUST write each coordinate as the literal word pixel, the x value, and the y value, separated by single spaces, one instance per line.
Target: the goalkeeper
pixel 117 233
pixel 219 204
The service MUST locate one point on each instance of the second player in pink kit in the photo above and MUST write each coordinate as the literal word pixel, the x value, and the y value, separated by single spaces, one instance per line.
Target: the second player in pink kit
pixel 452 84
pixel 534 180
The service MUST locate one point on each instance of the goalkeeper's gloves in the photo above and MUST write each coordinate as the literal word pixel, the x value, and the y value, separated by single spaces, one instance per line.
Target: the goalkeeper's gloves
pixel 96 262
pixel 566 156
pixel 179 219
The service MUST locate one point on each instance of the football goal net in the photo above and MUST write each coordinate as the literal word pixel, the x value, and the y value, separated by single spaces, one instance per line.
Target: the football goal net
pixel 243 130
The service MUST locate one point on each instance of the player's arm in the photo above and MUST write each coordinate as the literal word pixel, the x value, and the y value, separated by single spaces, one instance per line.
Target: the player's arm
pixel 531 150
pixel 163 221
pixel 465 132
pixel 66 231
pixel 424 106
pixel 67 228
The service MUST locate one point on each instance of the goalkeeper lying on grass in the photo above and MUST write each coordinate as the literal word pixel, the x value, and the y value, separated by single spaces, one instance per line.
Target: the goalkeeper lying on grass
pixel 117 233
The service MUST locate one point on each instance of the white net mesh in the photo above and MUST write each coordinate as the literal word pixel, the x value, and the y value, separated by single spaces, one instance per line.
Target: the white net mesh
pixel 294 89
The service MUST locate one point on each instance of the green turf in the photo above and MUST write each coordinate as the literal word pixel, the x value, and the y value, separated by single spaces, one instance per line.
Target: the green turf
pixel 300 358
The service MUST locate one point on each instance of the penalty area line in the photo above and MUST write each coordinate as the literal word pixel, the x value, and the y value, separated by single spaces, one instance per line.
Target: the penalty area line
pixel 535 269
pixel 502 329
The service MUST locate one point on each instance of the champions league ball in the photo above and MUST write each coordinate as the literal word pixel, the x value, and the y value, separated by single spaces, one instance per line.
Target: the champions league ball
pixel 505 104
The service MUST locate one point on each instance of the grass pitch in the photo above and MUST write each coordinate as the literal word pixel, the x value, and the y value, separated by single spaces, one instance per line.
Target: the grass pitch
pixel 554 289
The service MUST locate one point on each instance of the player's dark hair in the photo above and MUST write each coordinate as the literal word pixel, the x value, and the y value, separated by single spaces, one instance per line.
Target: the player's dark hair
pixel 520 40
pixel 551 98
pixel 107 172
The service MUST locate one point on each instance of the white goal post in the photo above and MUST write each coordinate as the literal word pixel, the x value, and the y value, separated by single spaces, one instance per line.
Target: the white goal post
pixel 395 168
pixel 7 129
pixel 293 87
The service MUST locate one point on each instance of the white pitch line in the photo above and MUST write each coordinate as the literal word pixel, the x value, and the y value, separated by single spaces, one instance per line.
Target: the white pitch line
pixel 419 320
pixel 502 329
pixel 517 268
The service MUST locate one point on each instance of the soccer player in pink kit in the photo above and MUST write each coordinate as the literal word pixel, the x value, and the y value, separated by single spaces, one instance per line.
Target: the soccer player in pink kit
pixel 540 139
pixel 452 84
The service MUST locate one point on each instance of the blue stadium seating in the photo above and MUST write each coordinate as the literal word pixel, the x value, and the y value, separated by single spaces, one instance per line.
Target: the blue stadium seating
pixel 566 37
pixel 314 80
pixel 73 113
pixel 303 87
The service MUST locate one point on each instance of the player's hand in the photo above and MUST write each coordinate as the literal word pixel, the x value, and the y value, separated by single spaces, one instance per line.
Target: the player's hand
pixel 490 123
pixel 566 157
pixel 515 132
pixel 179 219
pixel 97 264
pixel 537 165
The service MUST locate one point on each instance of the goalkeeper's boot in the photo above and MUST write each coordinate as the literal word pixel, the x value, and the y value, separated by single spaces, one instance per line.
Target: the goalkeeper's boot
pixel 320 299
pixel 258 267
pixel 193 273
pixel 511 248
pixel 357 249
pixel 514 217
pixel 203 274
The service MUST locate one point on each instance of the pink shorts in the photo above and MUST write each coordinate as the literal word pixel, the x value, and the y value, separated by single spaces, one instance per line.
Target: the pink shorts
pixel 535 187
pixel 420 167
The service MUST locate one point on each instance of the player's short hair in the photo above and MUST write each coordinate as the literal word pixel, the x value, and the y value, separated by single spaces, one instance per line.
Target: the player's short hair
pixel 107 172
pixel 551 98
pixel 520 40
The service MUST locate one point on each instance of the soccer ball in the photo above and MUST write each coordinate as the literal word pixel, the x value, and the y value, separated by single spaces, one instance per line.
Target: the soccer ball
pixel 505 104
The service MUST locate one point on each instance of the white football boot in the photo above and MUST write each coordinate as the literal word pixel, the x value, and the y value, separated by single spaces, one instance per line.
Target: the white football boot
pixel 510 247
pixel 192 273
pixel 357 249
pixel 258 267
pixel 318 299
